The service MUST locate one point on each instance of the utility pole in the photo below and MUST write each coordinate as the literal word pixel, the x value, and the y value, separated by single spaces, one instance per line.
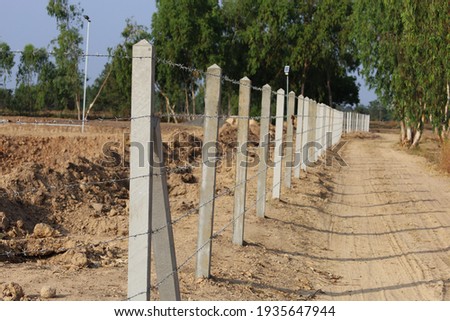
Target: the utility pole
pixel 85 72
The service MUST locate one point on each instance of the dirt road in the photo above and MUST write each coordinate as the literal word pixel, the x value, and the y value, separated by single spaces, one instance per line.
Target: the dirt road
pixel 385 229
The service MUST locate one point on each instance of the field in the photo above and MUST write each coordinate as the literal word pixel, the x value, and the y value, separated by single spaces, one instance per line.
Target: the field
pixel 339 233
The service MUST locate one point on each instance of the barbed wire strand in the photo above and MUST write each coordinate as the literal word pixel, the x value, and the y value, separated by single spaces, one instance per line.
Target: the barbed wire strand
pixel 226 191
pixel 161 60
pixel 216 234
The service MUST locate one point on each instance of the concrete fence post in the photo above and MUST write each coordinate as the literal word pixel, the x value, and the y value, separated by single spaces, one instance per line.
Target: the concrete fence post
pixel 149 197
pixel 351 123
pixel 278 151
pixel 330 126
pixel 241 162
pixel 353 129
pixel 162 239
pixel 344 123
pixel 318 126
pixel 318 130
pixel 264 141
pixel 324 129
pixel 289 140
pixel 321 129
pixel 208 180
pixel 305 133
pixel 333 127
pixel 140 222
pixel 299 136
pixel 347 129
pixel 312 134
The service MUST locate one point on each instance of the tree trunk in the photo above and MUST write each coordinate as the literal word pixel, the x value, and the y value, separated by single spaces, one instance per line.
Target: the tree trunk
pixel 417 134
pixel 98 93
pixel 402 132
pixel 169 110
pixel 409 134
pixel 77 104
pixel 416 138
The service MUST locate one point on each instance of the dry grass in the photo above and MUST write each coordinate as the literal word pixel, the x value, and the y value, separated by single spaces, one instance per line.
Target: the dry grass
pixel 435 152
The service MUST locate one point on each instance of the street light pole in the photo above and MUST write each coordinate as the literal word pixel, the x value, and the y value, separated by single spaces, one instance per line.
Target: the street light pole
pixel 286 72
pixel 85 72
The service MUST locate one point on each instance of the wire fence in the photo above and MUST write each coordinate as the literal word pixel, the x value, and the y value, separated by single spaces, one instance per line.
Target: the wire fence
pixel 313 122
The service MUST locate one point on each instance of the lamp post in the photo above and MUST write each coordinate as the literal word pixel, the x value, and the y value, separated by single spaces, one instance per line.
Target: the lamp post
pixel 286 72
pixel 85 72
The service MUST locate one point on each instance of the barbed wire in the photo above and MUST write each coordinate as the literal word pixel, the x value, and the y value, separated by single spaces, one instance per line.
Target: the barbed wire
pixel 189 117
pixel 161 60
pixel 226 191
pixel 165 171
pixel 79 183
pixel 183 67
pixel 216 234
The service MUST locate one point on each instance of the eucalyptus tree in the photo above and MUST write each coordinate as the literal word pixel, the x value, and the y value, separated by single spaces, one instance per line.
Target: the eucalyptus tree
pixel 67 52
pixel 311 36
pixel 6 61
pixel 404 50
pixel 188 33
pixel 32 90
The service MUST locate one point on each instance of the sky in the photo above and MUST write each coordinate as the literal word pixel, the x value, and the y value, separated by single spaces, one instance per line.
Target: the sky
pixel 26 21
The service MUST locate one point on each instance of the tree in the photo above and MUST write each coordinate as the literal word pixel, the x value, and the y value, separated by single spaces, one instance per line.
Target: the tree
pixel 361 109
pixel 6 61
pixel 403 47
pixel 184 32
pixel 311 36
pixel 33 79
pixel 378 111
pixel 336 55
pixel 67 52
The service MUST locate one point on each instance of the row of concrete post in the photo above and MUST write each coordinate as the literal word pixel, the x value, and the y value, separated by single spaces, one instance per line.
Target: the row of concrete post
pixel 354 122
pixel 302 136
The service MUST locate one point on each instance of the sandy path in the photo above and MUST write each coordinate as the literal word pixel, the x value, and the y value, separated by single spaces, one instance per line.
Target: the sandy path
pixel 386 227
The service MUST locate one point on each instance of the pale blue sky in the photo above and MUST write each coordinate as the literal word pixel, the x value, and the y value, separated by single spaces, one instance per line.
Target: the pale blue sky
pixel 26 21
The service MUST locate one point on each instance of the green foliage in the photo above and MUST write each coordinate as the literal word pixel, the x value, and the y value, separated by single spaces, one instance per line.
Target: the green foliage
pixel 256 39
pixel 6 98
pixel 34 80
pixel 404 49
pixel 186 32
pixel 379 112
pixel 361 109
pixel 67 52
pixel 253 38
pixel 6 61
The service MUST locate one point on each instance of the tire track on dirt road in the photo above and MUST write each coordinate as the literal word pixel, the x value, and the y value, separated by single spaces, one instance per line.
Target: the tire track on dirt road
pixel 388 226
